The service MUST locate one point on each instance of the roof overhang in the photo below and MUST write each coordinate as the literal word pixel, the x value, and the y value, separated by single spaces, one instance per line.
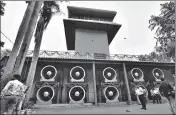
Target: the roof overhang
pixel 71 24
pixel 81 11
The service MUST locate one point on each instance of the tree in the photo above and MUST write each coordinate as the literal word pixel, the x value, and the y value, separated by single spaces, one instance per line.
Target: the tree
pixel 164 24
pixel 2 4
pixel 27 39
pixel 19 38
pixel 48 10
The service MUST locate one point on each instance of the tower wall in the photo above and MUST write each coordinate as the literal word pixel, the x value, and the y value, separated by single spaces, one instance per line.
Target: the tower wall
pixel 92 41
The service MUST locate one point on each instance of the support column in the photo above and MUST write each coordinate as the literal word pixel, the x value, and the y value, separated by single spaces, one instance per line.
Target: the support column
pixel 127 85
pixel 94 82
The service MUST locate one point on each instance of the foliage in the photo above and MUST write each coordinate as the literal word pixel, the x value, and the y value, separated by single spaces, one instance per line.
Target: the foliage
pixel 158 55
pixel 2 44
pixel 164 24
pixel 2 4
pixel 48 10
pixel 5 52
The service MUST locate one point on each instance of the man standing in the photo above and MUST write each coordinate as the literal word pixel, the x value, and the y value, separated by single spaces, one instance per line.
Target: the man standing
pixel 153 95
pixel 158 97
pixel 11 94
pixel 167 90
pixel 141 93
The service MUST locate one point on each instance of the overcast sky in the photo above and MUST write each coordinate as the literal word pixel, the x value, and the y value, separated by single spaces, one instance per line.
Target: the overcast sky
pixel 133 15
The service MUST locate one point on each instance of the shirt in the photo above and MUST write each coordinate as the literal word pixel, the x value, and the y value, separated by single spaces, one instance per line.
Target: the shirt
pixel 14 87
pixel 165 88
pixel 139 91
pixel 156 91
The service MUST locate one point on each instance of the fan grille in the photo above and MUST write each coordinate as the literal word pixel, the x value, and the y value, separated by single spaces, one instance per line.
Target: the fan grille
pixel 77 93
pixel 157 73
pixel 136 73
pixel 45 93
pixel 109 73
pixel 77 73
pixel 111 92
pixel 48 72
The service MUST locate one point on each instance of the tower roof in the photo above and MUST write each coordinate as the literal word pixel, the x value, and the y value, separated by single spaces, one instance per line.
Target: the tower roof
pixel 80 11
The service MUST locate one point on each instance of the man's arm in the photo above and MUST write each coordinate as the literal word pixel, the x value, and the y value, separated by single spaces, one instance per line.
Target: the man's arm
pixel 5 88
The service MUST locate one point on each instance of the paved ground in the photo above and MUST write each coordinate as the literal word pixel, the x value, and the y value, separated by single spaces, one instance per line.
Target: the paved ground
pixel 134 109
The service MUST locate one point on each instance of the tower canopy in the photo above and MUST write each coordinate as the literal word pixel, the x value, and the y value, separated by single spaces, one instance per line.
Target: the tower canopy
pixel 88 13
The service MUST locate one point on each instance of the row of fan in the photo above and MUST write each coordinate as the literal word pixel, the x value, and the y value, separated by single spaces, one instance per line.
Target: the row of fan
pixel 76 94
pixel 77 74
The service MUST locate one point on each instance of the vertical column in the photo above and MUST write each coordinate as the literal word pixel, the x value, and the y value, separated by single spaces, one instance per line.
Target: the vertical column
pixel 127 85
pixel 64 86
pixel 94 81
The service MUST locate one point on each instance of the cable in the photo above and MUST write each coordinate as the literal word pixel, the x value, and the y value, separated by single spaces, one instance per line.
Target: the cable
pixel 7 37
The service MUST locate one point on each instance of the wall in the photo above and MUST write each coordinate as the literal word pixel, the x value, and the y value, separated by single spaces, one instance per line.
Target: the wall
pixel 91 41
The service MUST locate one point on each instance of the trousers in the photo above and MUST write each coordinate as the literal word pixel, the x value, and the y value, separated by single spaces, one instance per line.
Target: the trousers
pixel 8 104
pixel 142 100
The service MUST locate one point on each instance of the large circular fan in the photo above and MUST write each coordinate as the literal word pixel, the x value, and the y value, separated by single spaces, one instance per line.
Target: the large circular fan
pixel 157 73
pixel 45 93
pixel 77 93
pixel 77 73
pixel 109 73
pixel 111 93
pixel 48 72
pixel 137 73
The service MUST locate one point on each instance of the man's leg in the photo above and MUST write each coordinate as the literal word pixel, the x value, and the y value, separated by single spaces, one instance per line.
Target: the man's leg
pixel 141 98
pixel 5 104
pixel 13 101
pixel 157 98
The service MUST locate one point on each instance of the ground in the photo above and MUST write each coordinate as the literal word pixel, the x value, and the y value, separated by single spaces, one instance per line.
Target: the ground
pixel 134 109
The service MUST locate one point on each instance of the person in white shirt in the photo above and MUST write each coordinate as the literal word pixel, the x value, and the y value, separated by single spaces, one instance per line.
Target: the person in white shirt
pixel 153 95
pixel 11 94
pixel 157 95
pixel 141 94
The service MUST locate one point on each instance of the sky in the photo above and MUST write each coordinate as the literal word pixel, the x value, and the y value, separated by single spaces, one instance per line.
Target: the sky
pixel 132 15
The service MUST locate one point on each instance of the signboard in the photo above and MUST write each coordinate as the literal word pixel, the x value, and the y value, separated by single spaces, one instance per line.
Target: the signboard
pixel 99 56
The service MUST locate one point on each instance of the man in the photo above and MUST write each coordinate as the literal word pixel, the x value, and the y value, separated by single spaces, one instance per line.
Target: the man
pixel 153 95
pixel 140 92
pixel 166 90
pixel 157 95
pixel 11 94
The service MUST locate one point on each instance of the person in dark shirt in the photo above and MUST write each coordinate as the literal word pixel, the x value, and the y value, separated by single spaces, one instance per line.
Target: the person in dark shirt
pixel 166 90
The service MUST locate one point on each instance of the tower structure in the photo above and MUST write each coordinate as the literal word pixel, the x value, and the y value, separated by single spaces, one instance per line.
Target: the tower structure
pixel 90 30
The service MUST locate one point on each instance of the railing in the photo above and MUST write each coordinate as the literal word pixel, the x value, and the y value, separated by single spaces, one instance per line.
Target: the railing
pixel 88 56
pixel 79 55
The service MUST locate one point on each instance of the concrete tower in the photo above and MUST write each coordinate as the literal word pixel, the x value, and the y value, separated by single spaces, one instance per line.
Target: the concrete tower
pixel 90 30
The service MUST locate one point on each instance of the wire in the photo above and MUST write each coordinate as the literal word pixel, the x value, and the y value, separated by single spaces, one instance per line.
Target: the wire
pixel 7 37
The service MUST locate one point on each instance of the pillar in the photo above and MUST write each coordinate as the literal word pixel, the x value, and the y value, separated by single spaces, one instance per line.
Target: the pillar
pixel 127 85
pixel 94 82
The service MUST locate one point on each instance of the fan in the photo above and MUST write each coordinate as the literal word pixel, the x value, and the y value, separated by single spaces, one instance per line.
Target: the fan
pixel 45 94
pixel 137 74
pixel 158 74
pixel 48 73
pixel 109 74
pixel 77 94
pixel 111 93
pixel 77 74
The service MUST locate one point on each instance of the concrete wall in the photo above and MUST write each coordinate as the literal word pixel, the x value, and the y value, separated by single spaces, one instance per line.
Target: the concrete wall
pixel 91 41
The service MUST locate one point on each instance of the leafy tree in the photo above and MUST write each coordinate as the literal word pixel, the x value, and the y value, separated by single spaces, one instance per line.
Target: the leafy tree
pixel 2 4
pixel 164 24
